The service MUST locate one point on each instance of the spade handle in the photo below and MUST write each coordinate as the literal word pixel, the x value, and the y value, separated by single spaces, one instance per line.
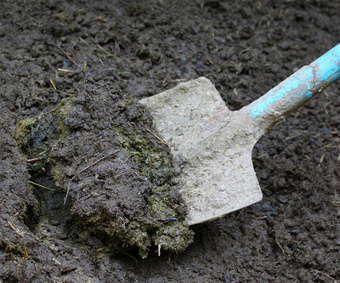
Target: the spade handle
pixel 296 90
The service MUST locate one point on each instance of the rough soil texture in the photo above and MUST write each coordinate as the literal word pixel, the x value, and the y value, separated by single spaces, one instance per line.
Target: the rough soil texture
pixel 105 56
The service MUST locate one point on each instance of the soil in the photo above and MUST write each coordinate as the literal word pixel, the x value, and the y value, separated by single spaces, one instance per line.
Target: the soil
pixel 86 189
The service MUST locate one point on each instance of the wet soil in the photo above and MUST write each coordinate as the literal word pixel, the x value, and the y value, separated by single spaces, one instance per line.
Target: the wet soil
pixel 77 183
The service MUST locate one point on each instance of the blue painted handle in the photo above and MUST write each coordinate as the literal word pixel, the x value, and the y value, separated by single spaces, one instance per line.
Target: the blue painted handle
pixel 297 89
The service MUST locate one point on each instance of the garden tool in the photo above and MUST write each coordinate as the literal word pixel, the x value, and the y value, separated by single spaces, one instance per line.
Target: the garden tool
pixel 213 145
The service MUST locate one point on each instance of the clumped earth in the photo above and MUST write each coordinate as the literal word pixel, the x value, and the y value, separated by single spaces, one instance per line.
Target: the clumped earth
pixel 94 147
pixel 86 188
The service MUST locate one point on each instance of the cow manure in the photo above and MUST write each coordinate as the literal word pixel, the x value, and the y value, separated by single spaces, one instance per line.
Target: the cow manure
pixel 99 151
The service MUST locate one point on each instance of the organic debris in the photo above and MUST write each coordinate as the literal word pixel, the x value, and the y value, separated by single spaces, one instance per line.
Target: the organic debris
pixel 100 152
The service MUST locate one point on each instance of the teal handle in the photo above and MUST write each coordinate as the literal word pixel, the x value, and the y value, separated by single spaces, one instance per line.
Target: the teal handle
pixel 297 89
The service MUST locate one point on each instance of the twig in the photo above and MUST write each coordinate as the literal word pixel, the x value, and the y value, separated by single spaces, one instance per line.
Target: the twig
pixel 327 275
pixel 94 163
pixel 84 169
pixel 100 19
pixel 136 261
pixel 107 52
pixel 15 229
pixel 83 41
pixel 283 251
pixel 157 137
pixel 52 83
pixel 27 255
pixel 68 56
pixel 34 159
pixel 68 190
pixel 65 70
pixel 21 234
pixel 256 217
pixel 41 186
pixel 159 249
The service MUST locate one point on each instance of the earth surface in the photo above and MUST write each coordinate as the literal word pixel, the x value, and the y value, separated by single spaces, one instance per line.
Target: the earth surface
pixel 86 188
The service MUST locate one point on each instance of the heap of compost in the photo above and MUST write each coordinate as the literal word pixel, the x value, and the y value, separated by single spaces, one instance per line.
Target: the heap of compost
pixel 101 151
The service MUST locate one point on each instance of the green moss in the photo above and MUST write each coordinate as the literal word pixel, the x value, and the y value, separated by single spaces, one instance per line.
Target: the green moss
pixel 14 249
pixel 57 174
pixel 120 235
pixel 174 237
pixel 21 135
pixel 32 133
pixel 152 160
pixel 160 203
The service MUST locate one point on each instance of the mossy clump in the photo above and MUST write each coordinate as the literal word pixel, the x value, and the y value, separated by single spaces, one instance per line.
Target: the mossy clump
pixel 33 133
pixel 163 225
pixel 151 159
pixel 124 199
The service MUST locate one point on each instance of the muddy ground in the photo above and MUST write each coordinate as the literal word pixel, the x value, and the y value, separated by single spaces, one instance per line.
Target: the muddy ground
pixel 81 186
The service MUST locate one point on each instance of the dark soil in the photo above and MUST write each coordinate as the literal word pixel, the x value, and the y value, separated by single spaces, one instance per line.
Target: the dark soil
pixel 86 189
